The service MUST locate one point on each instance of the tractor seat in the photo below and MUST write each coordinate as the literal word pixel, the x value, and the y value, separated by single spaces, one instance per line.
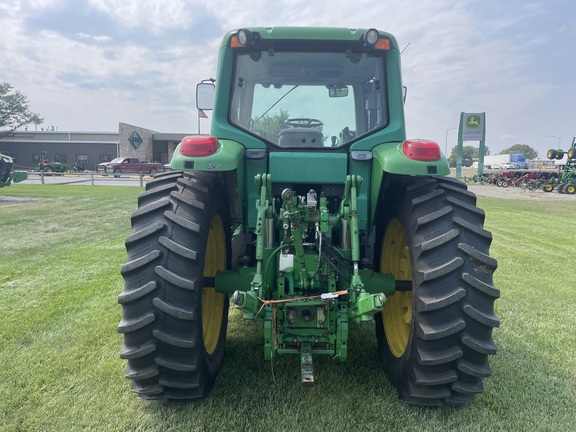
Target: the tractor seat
pixel 300 137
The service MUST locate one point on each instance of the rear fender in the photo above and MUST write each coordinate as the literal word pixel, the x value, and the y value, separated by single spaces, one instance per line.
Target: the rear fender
pixel 227 160
pixel 389 159
pixel 228 157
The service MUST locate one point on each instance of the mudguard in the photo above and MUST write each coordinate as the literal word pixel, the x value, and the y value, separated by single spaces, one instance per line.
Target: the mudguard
pixel 389 159
pixel 228 157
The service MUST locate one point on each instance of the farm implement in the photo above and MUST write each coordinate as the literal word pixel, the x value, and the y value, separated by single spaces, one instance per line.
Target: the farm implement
pixel 7 175
pixel 566 183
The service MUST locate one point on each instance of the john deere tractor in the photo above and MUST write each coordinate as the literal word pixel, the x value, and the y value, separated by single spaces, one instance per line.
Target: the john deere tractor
pixel 566 183
pixel 7 175
pixel 308 209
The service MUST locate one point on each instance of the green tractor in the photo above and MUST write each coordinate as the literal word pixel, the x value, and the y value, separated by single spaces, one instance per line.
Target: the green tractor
pixel 566 183
pixel 309 210
pixel 56 167
pixel 7 175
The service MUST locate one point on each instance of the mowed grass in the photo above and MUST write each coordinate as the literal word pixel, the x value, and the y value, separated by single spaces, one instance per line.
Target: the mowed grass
pixel 59 349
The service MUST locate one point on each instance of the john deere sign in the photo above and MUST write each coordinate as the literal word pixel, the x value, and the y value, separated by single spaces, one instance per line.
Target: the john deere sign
pixel 472 127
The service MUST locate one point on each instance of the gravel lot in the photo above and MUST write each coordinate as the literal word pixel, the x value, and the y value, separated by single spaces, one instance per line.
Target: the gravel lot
pixel 518 193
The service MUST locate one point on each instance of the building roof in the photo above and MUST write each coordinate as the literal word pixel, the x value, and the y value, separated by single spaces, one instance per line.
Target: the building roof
pixel 61 136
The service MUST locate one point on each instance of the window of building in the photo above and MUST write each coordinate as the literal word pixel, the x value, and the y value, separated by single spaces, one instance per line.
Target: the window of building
pixel 60 157
pixel 105 157
pixel 82 161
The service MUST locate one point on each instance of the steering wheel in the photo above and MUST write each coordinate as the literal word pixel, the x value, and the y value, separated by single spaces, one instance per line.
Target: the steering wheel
pixel 303 122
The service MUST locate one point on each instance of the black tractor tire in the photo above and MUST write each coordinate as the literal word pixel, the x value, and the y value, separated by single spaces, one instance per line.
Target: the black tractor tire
pixel 174 322
pixel 548 188
pixel 560 188
pixel 153 172
pixel 570 189
pixel 435 340
pixel 551 154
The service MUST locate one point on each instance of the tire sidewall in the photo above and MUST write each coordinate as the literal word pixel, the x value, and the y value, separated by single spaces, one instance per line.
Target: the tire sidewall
pixel 215 205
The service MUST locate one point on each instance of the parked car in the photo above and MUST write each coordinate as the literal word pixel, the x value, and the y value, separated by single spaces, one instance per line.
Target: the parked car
pixel 509 165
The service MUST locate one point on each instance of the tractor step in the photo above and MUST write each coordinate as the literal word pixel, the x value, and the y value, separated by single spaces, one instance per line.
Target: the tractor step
pixel 306 367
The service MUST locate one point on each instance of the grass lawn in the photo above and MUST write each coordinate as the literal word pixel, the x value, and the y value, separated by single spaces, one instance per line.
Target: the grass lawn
pixel 59 349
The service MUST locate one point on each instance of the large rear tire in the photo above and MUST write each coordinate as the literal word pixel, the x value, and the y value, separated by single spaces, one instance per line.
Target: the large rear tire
pixel 435 340
pixel 174 322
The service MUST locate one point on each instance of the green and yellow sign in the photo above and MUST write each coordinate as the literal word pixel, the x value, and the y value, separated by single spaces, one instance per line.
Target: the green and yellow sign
pixel 473 127
pixel 473 121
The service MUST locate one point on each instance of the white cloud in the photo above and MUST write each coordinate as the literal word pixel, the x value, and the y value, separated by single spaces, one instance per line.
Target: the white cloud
pixel 96 38
pixel 153 15
pixel 137 61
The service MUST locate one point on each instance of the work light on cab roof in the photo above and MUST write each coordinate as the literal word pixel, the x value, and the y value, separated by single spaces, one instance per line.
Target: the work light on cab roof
pixel 245 38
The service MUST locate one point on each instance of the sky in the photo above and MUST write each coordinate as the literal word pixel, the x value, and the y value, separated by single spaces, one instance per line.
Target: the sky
pixel 87 65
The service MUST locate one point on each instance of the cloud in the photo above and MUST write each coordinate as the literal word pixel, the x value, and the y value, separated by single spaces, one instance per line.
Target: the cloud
pixel 151 14
pixel 89 64
pixel 95 38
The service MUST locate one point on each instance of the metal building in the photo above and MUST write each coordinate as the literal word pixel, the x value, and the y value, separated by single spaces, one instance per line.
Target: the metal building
pixel 88 149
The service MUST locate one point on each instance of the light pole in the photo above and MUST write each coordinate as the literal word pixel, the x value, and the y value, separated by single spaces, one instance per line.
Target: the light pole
pixel 554 136
pixel 446 141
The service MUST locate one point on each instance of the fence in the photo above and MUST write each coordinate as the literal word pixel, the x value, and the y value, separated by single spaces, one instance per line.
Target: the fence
pixel 87 177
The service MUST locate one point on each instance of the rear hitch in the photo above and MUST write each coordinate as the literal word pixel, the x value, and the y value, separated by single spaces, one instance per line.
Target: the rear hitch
pixel 306 366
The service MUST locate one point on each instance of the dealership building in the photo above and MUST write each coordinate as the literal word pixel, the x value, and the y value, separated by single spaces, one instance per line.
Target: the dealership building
pixel 88 149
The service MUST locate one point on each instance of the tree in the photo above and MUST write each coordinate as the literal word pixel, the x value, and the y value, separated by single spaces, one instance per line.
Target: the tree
pixel 270 125
pixel 523 149
pixel 469 155
pixel 14 110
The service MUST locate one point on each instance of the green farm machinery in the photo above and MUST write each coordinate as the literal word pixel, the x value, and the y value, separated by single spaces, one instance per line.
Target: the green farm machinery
pixel 309 210
pixel 566 183
pixel 57 167
pixel 7 174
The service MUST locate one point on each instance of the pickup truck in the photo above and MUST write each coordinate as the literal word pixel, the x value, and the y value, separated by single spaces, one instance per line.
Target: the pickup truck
pixel 129 165
pixel 509 165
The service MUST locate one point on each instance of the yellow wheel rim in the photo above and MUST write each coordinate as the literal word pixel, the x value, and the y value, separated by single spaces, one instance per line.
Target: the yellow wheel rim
pixel 397 312
pixel 570 189
pixel 212 301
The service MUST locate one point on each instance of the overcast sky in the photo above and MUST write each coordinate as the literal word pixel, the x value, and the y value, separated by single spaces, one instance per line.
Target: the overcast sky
pixel 88 64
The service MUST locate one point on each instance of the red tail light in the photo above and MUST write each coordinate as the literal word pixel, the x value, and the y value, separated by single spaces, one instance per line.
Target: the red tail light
pixel 421 150
pixel 197 146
